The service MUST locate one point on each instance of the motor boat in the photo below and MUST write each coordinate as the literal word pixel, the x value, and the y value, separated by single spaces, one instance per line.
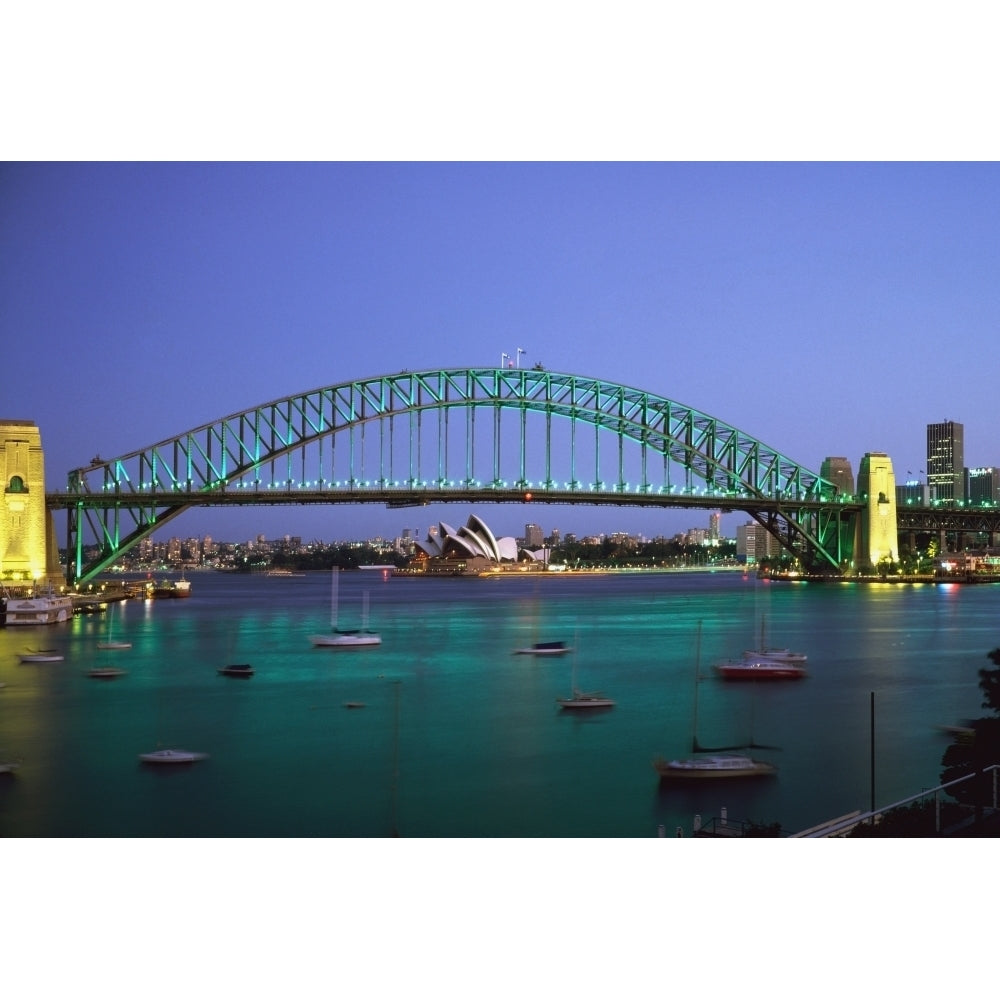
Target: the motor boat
pixel 237 670
pixel 545 649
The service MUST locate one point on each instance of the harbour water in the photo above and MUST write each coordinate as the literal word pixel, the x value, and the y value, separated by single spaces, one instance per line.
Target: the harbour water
pixel 458 737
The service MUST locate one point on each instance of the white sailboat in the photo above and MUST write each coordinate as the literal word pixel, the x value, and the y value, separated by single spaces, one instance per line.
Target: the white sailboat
pixel 112 643
pixel 41 656
pixel 776 653
pixel 338 638
pixel 582 699
pixel 710 762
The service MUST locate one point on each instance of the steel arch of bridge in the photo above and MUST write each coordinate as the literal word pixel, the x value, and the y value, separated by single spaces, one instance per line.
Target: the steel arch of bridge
pixel 478 434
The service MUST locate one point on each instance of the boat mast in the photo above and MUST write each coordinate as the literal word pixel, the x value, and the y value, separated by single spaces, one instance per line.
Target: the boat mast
pixel 395 761
pixel 334 583
pixel 576 646
pixel 697 669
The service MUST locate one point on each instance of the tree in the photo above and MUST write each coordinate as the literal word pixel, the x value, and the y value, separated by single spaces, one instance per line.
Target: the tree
pixel 971 752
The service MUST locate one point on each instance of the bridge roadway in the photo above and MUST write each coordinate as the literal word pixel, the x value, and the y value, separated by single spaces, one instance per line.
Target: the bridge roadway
pixel 404 496
pixel 981 520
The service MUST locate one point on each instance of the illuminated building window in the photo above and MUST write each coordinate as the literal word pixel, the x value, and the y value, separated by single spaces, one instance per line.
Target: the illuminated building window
pixel 16 485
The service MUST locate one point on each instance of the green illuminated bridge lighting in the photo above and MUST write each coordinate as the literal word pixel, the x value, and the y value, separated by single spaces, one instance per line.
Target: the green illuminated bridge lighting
pixel 476 435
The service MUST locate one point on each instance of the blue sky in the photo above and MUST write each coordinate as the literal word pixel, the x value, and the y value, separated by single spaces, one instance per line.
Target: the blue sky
pixel 823 308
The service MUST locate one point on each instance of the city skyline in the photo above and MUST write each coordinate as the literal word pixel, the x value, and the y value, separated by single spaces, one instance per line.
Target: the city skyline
pixel 168 295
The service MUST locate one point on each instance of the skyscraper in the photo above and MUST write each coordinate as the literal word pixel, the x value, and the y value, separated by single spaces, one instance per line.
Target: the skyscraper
pixel 984 486
pixel 714 526
pixel 838 471
pixel 946 461
pixel 533 538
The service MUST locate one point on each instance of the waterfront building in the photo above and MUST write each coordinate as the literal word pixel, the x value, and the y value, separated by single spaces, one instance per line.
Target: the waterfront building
pixel 945 461
pixel 983 486
pixel 471 549
pixel 754 543
pixel 838 471
pixel 533 537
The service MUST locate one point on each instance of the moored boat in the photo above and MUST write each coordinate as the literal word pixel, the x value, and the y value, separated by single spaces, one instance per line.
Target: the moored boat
pixel 172 588
pixel 710 762
pixel 775 653
pixel 338 638
pixel 545 649
pixel 778 655
pixel 171 757
pixel 346 640
pixel 237 670
pixel 41 609
pixel 41 656
pixel 759 669
pixel 585 700
pixel 114 644
pixel 713 766
pixel 106 673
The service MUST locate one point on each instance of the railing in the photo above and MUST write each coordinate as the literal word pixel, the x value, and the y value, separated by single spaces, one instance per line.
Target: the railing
pixel 838 827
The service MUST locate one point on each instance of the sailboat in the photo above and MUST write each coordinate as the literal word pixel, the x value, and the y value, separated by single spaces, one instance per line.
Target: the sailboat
pixel 41 656
pixel 583 699
pixel 710 762
pixel 112 643
pixel 764 664
pixel 345 638
pixel 778 654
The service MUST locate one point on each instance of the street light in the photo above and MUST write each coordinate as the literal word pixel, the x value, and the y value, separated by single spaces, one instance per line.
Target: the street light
pixel 520 351
pixel 503 358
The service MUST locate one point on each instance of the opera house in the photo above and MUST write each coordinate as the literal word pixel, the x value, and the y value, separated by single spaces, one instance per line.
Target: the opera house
pixel 472 549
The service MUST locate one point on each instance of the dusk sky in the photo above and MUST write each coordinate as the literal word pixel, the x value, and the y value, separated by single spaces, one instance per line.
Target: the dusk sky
pixel 825 309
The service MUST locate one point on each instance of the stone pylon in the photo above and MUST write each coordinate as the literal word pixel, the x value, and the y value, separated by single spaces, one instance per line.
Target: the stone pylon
pixel 28 549
pixel 877 485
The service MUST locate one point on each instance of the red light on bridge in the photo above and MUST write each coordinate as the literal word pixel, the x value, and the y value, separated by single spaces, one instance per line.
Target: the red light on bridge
pixel 527 496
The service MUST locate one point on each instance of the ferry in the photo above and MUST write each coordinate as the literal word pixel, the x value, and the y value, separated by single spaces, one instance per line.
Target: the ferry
pixel 42 609
pixel 172 588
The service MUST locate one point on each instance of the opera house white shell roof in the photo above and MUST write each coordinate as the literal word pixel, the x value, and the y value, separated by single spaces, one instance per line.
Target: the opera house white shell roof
pixel 472 541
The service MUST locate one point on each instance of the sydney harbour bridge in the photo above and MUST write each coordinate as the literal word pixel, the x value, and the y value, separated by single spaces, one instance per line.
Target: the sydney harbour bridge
pixel 473 435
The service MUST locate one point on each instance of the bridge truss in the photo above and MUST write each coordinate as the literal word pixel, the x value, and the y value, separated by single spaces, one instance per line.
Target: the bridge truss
pixel 466 434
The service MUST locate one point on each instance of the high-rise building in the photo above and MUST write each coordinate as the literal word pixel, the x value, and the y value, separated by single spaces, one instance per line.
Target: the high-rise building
pixel 754 542
pixel 533 537
pixel 838 471
pixel 946 461
pixel 983 486
pixel 715 525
